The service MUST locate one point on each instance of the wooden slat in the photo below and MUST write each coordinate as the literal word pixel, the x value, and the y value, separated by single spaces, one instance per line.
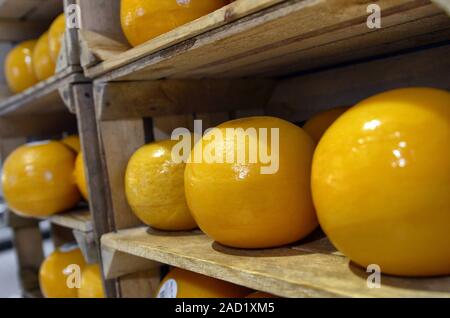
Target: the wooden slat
pixel 105 25
pixel 119 141
pixel 88 245
pixel 287 272
pixel 42 98
pixel 96 173
pixel 79 220
pixel 166 97
pixel 40 125
pixel 296 29
pixel 61 235
pixel 297 99
pixel 40 110
pixel 103 47
pixel 117 264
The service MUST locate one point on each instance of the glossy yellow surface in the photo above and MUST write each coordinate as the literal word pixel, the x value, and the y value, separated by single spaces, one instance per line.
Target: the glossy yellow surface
pixel 317 125
pixel 43 65
pixel 19 67
pixel 54 273
pixel 143 20
pixel 38 180
pixel 55 36
pixel 237 205
pixel 154 187
pixel 193 285
pixel 381 182
pixel 91 283
pixel 80 176
pixel 73 141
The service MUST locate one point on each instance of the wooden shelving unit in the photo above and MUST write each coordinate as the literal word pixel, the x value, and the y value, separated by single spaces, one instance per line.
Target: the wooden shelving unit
pixel 261 38
pixel 310 269
pixel 79 220
pixel 288 58
pixel 46 110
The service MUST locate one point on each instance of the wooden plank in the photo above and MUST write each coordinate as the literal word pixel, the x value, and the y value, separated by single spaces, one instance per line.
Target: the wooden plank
pixel 165 97
pixel 61 235
pixel 27 243
pixel 87 242
pixel 164 126
pixel 42 98
pixel 106 25
pixel 299 98
pixel 79 220
pixel 119 141
pixel 96 172
pixel 104 48
pixel 40 110
pixel 285 271
pixel 71 40
pixel 309 51
pixel 140 285
pixel 271 33
pixel 41 125
pixel 117 264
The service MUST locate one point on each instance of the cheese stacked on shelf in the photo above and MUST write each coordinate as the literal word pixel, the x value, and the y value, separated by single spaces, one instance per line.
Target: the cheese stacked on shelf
pixel 179 283
pixel 37 179
pixel 154 187
pixel 143 20
pixel 34 60
pixel 257 202
pixel 19 69
pixel 60 271
pixel 381 182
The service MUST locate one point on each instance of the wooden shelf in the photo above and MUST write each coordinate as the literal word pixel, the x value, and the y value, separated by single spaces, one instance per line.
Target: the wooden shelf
pixel 309 269
pixel 268 38
pixel 41 109
pixel 79 220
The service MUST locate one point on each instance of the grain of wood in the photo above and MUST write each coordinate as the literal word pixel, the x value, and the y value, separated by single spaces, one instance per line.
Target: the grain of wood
pixel 273 32
pixel 87 243
pixel 105 48
pixel 80 220
pixel 159 98
pixel 96 175
pixel 299 98
pixel 119 140
pixel 285 271
pixel 42 98
pixel 117 264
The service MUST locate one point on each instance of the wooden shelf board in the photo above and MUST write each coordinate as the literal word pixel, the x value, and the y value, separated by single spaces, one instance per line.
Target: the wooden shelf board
pixel 309 269
pixel 40 110
pixel 79 220
pixel 273 38
pixel 41 98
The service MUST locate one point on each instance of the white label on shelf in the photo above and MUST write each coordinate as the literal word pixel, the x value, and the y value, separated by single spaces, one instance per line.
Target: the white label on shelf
pixel 168 290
